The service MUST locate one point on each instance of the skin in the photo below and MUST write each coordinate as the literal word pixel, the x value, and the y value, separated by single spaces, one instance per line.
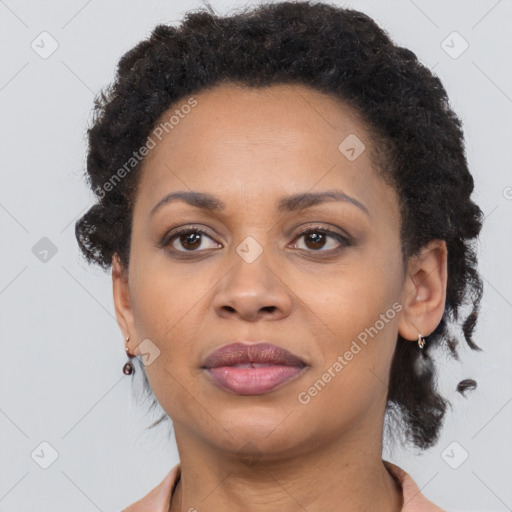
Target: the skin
pixel 250 148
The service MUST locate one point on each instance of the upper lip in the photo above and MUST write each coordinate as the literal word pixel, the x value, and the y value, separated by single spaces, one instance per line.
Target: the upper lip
pixel 240 353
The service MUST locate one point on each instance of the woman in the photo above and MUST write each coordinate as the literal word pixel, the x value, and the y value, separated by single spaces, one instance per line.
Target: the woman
pixel 284 199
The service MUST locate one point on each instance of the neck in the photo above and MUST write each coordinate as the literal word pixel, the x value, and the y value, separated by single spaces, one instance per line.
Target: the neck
pixel 344 475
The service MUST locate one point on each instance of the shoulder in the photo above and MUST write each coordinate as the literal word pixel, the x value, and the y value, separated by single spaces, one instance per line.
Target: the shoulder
pixel 159 498
pixel 414 501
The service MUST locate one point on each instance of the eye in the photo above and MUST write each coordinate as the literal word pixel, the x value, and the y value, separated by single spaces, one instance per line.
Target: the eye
pixel 189 238
pixel 316 239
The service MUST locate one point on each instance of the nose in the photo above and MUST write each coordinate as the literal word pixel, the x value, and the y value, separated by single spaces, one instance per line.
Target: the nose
pixel 253 291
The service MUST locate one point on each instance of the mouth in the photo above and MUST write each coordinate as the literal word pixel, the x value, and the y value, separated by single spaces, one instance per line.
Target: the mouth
pixel 252 369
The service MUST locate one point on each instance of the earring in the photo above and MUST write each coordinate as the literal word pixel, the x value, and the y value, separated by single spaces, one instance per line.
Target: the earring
pixel 421 341
pixel 128 368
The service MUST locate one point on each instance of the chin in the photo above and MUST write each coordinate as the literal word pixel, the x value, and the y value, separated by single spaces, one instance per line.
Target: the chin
pixel 256 430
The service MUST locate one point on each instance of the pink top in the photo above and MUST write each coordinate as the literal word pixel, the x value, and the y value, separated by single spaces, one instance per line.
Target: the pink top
pixel 159 498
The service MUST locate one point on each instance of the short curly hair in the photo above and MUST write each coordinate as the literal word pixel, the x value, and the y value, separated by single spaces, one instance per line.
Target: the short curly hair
pixel 341 52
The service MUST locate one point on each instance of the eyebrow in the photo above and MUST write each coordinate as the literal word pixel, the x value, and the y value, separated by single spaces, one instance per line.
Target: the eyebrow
pixel 291 203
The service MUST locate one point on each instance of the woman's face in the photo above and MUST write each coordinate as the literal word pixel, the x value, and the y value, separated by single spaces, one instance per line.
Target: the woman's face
pixel 334 302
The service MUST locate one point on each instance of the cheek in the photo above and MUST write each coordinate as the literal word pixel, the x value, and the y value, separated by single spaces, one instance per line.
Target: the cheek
pixel 164 297
pixel 347 301
pixel 352 376
pixel 163 308
pixel 357 333
pixel 160 315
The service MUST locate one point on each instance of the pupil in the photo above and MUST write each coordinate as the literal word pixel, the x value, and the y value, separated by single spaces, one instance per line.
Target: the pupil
pixel 318 239
pixel 191 239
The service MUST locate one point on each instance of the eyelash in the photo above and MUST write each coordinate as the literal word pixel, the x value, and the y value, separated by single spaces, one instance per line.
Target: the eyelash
pixel 169 237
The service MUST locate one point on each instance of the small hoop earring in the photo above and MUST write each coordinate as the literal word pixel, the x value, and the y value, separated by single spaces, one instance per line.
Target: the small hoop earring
pixel 421 341
pixel 128 368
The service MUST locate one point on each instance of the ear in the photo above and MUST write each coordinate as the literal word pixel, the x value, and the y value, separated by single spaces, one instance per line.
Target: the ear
pixel 424 293
pixel 122 301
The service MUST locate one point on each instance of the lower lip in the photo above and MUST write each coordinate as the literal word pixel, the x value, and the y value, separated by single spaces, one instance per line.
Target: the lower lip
pixel 253 381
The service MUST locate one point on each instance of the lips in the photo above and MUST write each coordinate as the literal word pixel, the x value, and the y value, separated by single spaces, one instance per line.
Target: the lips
pixel 252 369
pixel 261 353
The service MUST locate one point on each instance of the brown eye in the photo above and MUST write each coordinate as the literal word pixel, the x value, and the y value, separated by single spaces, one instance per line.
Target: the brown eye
pixel 188 240
pixel 316 239
pixel 191 241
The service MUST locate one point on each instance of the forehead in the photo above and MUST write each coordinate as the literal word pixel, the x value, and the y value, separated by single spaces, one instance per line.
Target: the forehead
pixel 269 141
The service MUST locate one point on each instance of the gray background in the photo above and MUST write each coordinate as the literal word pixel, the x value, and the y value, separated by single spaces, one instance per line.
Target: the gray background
pixel 62 351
